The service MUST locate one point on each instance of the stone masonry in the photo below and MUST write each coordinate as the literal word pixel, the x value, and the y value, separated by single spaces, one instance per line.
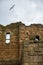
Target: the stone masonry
pixel 25 46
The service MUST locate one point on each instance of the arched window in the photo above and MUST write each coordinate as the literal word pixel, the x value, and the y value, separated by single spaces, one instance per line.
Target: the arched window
pixel 36 37
pixel 7 38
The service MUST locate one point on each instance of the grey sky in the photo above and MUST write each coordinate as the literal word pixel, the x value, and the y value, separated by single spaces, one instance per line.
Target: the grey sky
pixel 27 11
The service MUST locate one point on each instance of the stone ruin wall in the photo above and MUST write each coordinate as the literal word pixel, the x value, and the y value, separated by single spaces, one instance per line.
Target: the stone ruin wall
pixel 33 49
pixel 9 52
pixel 19 33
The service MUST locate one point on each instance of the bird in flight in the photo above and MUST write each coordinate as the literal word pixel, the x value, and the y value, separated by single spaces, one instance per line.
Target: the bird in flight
pixel 12 7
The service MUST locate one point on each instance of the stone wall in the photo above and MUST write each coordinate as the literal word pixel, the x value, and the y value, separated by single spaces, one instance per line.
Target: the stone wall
pixel 9 52
pixel 32 47
pixel 25 47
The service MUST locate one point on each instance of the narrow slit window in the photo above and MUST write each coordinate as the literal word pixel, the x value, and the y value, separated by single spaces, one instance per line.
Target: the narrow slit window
pixel 7 38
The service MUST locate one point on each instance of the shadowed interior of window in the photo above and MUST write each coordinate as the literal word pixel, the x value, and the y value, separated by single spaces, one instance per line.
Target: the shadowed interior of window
pixel 36 37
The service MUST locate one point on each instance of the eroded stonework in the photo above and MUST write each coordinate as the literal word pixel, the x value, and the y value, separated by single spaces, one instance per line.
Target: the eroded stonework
pixel 25 47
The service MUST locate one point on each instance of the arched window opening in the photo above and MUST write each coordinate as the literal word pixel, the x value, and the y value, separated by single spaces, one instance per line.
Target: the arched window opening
pixel 37 38
pixel 7 38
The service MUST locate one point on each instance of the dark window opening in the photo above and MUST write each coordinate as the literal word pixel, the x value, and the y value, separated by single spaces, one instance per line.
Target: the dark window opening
pixel 37 38
pixel 26 33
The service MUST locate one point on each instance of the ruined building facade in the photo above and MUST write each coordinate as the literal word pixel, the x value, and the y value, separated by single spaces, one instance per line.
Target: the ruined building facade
pixel 24 45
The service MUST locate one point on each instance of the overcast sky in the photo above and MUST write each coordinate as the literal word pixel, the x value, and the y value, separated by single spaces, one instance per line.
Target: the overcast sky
pixel 27 11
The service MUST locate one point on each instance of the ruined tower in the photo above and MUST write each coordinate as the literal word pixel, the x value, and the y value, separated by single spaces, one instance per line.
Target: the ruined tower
pixel 21 44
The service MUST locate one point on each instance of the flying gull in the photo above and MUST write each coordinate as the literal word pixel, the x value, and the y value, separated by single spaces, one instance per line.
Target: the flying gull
pixel 12 7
